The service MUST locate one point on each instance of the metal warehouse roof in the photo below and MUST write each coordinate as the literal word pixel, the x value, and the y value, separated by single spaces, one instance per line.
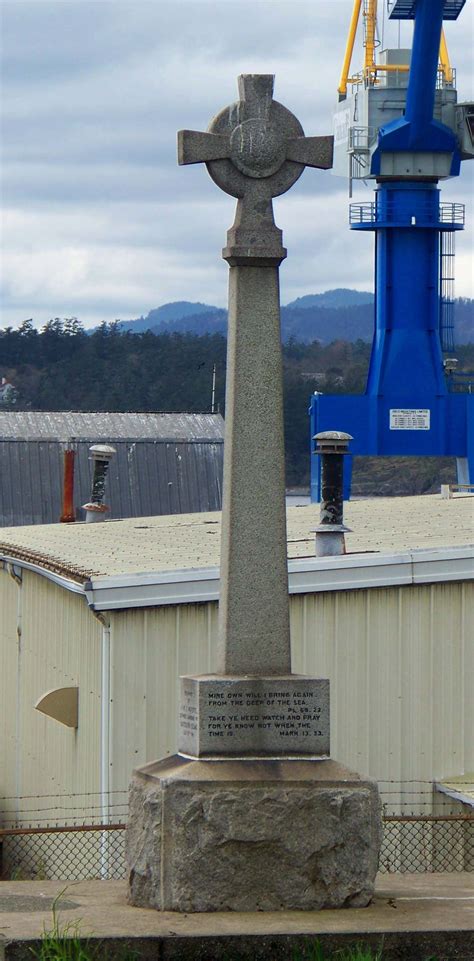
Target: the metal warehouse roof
pixel 165 463
pixel 102 425
pixel 144 546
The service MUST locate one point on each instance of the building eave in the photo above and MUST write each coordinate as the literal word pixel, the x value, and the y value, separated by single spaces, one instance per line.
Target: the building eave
pixel 9 561
pixel 306 576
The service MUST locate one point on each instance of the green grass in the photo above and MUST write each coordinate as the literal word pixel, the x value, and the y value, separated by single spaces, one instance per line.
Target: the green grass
pixel 317 953
pixel 358 953
pixel 64 942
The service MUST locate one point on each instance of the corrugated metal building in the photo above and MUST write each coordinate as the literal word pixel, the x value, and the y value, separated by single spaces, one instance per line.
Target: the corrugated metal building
pixel 121 609
pixel 165 463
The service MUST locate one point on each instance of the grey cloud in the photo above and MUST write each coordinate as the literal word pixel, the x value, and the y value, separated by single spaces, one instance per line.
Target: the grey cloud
pixel 93 93
pixel 106 32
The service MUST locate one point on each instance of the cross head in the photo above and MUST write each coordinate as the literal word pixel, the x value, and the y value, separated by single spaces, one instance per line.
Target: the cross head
pixel 254 150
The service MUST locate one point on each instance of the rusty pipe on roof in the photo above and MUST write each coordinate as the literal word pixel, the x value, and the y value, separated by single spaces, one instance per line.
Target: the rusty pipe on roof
pixel 331 445
pixel 68 515
pixel 101 455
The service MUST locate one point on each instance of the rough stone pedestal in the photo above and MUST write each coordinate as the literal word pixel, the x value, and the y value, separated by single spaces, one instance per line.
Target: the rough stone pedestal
pixel 251 836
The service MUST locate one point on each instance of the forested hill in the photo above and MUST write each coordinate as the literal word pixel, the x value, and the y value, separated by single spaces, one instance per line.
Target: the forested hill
pixel 65 368
pixel 303 324
pixel 197 318
pixel 337 314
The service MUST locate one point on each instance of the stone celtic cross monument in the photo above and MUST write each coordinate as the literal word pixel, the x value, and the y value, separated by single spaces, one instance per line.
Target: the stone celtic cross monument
pixel 251 814
pixel 254 151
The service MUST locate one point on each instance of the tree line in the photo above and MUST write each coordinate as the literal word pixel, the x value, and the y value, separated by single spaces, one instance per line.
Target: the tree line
pixel 62 367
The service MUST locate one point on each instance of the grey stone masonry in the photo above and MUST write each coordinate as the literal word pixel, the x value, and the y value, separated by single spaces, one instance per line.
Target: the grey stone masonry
pixel 253 716
pixel 254 630
pixel 252 836
pixel 254 150
pixel 250 815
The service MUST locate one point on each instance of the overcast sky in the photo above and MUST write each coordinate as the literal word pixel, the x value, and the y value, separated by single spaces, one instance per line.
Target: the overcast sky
pixel 99 222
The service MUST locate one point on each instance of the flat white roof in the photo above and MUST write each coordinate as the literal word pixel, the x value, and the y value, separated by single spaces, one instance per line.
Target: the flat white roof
pixel 459 788
pixel 175 558
pixel 140 545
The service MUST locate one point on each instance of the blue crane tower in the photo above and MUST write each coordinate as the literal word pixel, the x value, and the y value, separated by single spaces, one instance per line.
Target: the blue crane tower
pixel 404 128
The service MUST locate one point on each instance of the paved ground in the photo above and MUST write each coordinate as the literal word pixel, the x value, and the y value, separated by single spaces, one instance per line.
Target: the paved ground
pixel 413 914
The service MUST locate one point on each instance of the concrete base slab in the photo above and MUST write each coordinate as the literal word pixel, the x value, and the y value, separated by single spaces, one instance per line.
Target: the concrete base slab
pixel 252 836
pixel 413 916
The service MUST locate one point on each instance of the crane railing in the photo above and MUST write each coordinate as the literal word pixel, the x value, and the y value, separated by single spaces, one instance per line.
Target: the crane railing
pixel 370 77
pixel 361 138
pixel 451 214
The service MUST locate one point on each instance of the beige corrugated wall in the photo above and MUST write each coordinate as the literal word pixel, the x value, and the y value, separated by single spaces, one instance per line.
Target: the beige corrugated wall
pixel 60 646
pixel 9 640
pixel 401 664
pixel 400 660
pixel 150 648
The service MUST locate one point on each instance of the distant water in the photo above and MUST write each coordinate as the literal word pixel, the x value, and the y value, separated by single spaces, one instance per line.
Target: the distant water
pixel 301 500
pixel 297 500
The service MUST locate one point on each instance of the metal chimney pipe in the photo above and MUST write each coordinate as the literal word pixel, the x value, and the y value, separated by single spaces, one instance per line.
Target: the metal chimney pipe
pixel 331 445
pixel 101 455
pixel 68 515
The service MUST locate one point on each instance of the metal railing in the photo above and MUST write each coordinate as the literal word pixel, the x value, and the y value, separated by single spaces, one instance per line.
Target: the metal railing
pixel 372 76
pixel 452 213
pixel 362 213
pixel 373 213
pixel 361 138
pixel 446 82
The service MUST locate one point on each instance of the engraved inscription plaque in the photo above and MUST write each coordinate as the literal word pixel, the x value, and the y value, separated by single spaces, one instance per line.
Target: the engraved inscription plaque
pixel 255 716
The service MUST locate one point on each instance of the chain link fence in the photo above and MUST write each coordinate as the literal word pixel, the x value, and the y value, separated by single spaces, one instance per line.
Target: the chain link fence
pixel 420 843
pixel 66 853
pixel 416 843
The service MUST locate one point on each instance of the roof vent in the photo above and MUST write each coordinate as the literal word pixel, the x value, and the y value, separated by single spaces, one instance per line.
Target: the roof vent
pixel 101 455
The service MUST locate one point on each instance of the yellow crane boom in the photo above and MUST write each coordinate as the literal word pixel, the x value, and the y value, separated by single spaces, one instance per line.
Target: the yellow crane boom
pixel 342 88
pixel 444 61
pixel 371 68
